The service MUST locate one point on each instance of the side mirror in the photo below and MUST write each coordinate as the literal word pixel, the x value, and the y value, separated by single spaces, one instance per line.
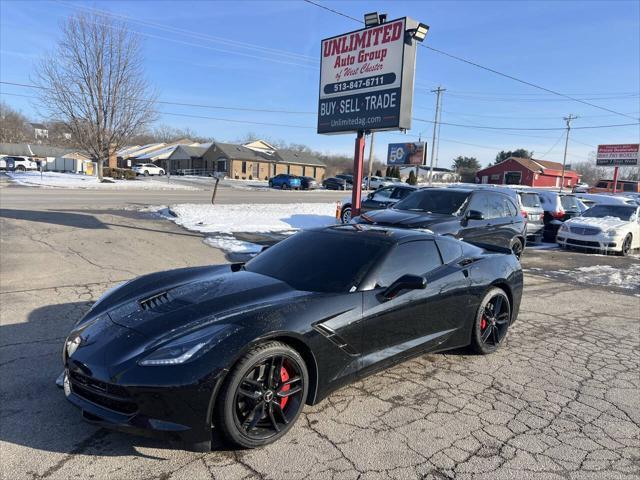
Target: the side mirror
pixel 474 215
pixel 405 282
pixel 236 267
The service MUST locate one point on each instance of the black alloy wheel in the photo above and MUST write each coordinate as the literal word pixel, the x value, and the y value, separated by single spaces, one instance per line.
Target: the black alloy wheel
pixel 492 322
pixel 626 245
pixel 146 173
pixel 263 396
pixel 517 248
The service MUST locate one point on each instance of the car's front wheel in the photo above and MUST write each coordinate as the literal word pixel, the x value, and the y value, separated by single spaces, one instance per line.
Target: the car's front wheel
pixel 345 215
pixel 626 245
pixel 146 173
pixel 491 322
pixel 262 396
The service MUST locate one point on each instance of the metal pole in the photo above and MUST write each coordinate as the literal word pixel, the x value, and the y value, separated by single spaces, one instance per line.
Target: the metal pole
pixel 418 166
pixel 215 190
pixel 370 162
pixel 358 160
pixel 615 179
pixel 438 92
pixel 566 144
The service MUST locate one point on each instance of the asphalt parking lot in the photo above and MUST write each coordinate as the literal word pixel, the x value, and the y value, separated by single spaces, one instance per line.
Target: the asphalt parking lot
pixel 560 399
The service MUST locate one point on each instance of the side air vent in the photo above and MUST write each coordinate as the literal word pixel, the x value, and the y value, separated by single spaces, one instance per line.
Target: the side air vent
pixel 154 301
pixel 333 337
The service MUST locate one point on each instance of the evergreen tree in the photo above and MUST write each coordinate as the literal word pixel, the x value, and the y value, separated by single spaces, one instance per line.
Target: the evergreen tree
pixel 412 178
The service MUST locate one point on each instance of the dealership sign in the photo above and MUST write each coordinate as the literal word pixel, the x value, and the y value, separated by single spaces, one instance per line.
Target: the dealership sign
pixel 405 153
pixel 618 155
pixel 366 79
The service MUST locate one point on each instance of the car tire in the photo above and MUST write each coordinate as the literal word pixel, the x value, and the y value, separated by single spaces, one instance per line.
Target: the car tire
pixel 517 248
pixel 146 173
pixel 489 328
pixel 161 173
pixel 626 245
pixel 251 387
pixel 20 168
pixel 345 214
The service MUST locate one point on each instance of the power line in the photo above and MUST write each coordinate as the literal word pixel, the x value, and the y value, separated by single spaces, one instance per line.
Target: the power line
pixel 489 69
pixel 482 127
pixel 554 146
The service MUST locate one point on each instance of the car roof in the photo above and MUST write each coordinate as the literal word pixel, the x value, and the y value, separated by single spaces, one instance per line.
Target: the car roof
pixel 388 234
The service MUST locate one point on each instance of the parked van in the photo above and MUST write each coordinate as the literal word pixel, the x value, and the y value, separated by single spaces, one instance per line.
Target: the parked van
pixel 624 186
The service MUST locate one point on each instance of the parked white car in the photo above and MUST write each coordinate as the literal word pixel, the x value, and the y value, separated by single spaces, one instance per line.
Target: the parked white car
pixel 147 169
pixel 604 228
pixel 376 182
pixel 592 199
pixel 17 164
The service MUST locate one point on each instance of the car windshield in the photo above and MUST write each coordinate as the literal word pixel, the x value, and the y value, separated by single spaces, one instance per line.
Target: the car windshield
pixel 530 199
pixel 620 211
pixel 569 202
pixel 446 202
pixel 317 261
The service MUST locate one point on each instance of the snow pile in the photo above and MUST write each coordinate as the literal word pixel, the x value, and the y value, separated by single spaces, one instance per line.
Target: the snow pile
pixel 253 217
pixel 628 277
pixel 233 245
pixel 79 180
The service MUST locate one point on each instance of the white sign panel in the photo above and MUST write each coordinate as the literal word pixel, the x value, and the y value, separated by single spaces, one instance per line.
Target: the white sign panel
pixel 618 155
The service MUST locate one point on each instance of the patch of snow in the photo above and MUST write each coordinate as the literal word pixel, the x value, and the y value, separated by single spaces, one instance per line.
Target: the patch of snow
pixel 542 246
pixel 233 245
pixel 627 277
pixel 253 217
pixel 79 180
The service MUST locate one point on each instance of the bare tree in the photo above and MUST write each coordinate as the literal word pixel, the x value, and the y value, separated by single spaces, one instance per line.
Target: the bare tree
pixel 13 126
pixel 94 83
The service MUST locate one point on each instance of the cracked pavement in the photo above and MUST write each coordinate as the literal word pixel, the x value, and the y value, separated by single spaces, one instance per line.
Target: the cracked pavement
pixel 559 400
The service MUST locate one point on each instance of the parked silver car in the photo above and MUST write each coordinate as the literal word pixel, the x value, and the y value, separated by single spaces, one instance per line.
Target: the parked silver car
pixel 532 210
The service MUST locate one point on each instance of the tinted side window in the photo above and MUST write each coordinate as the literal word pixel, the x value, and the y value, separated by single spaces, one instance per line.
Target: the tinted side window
pixel 628 187
pixel 510 209
pixel 416 258
pixel 400 193
pixel 602 184
pixel 450 249
pixel 496 207
pixel 382 193
pixel 480 202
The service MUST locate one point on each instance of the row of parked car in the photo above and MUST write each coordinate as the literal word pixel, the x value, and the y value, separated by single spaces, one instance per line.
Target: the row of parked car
pixel 285 181
pixel 506 217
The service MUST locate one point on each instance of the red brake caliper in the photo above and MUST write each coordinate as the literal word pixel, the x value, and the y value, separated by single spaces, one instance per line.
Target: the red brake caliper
pixel 284 376
pixel 483 323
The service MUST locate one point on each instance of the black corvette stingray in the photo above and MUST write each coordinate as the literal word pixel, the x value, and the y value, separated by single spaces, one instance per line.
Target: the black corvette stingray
pixel 243 347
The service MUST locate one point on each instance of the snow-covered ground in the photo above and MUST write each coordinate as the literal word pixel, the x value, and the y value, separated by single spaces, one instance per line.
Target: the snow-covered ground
pixel 221 222
pixel 78 180
pixel 266 217
pixel 627 277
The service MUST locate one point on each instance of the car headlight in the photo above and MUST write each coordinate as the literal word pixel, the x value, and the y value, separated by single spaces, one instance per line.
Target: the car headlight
pixel 612 232
pixel 187 347
pixel 564 228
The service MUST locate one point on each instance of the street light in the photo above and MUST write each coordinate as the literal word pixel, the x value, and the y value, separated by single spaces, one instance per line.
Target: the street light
pixel 372 19
pixel 419 33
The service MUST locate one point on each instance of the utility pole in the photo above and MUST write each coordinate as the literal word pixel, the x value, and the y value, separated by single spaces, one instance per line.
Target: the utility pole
pixel 438 91
pixel 370 162
pixel 566 144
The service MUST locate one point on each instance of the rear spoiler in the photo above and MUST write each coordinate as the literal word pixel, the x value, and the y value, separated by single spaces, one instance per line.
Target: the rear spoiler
pixel 491 248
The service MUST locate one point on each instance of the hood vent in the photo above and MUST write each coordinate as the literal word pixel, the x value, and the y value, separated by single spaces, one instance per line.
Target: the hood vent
pixel 154 301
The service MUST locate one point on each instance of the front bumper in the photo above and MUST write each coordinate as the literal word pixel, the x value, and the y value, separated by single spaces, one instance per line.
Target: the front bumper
pixel 600 242
pixel 181 413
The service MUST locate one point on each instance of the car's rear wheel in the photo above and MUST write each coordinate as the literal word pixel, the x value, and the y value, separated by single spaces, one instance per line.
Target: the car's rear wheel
pixel 491 322
pixel 626 245
pixel 517 248
pixel 345 215
pixel 262 396
pixel 146 173
pixel 20 168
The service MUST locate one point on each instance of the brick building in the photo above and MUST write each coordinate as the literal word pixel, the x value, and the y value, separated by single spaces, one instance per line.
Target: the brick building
pixel 527 171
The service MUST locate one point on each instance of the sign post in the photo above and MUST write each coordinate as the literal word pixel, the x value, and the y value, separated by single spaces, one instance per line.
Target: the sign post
pixel 624 155
pixel 366 83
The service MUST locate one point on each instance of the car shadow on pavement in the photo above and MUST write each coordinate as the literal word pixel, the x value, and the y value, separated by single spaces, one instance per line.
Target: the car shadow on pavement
pixel 75 220
pixel 33 410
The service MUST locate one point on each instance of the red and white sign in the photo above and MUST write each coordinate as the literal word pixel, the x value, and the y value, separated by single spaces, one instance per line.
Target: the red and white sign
pixel 618 155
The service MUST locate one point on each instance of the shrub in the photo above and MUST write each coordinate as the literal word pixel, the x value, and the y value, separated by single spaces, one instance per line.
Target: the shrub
pixel 250 177
pixel 412 178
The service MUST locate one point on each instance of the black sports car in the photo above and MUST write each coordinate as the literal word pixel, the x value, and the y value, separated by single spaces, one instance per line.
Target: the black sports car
pixel 473 214
pixel 243 347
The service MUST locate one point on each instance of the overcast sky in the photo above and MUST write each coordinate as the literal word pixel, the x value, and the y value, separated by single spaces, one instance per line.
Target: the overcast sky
pixel 266 55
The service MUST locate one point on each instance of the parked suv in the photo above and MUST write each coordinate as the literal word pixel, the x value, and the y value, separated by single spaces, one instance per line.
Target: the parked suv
pixel 147 169
pixel 480 215
pixel 623 186
pixel 285 181
pixel 17 164
pixel 557 207
pixel 382 198
pixel 531 208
